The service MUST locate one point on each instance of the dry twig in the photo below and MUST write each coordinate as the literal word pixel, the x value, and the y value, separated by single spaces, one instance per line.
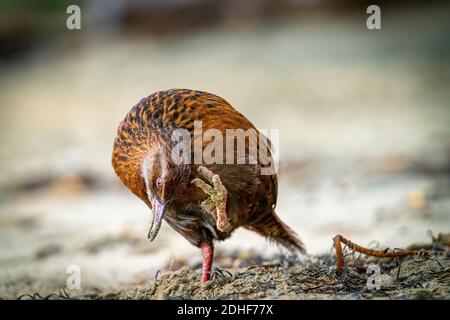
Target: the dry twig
pixel 386 253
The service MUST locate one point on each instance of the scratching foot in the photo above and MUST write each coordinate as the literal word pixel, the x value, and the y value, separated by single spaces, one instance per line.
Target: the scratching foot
pixel 217 200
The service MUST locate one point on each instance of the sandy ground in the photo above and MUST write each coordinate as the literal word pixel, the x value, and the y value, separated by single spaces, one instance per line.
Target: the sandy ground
pixel 364 143
pixel 248 275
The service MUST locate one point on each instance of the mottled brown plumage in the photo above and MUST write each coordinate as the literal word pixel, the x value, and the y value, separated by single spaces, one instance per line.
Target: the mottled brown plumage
pixel 142 160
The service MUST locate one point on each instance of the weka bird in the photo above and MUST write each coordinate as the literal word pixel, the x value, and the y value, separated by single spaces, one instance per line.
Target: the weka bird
pixel 203 202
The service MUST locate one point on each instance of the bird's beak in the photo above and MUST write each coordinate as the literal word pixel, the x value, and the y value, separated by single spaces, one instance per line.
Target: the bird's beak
pixel 158 213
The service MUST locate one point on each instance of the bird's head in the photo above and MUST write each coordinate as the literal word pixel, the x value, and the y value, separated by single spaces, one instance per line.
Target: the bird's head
pixel 164 181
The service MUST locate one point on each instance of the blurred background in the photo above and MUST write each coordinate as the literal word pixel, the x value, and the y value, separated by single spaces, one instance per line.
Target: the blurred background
pixel 364 121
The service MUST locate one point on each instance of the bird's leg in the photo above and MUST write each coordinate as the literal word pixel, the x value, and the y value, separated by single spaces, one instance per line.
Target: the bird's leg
pixel 208 254
pixel 217 197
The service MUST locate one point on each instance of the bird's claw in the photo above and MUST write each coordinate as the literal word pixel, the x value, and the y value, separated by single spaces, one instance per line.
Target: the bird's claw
pixel 217 197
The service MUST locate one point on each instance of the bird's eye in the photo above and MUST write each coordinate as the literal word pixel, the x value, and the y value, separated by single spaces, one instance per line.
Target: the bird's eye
pixel 159 183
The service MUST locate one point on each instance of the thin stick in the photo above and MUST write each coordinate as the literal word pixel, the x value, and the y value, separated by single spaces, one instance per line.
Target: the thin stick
pixel 386 253
pixel 339 254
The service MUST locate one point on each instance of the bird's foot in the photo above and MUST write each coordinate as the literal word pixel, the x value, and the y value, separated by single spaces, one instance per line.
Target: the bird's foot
pixel 217 200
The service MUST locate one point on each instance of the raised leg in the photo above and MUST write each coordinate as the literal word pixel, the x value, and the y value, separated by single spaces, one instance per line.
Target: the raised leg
pixel 217 201
pixel 208 254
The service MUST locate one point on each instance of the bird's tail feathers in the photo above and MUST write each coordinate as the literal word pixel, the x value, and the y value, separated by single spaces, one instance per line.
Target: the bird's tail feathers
pixel 272 227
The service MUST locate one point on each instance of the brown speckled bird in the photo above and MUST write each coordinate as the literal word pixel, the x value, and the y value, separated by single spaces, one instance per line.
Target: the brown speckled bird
pixel 201 201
